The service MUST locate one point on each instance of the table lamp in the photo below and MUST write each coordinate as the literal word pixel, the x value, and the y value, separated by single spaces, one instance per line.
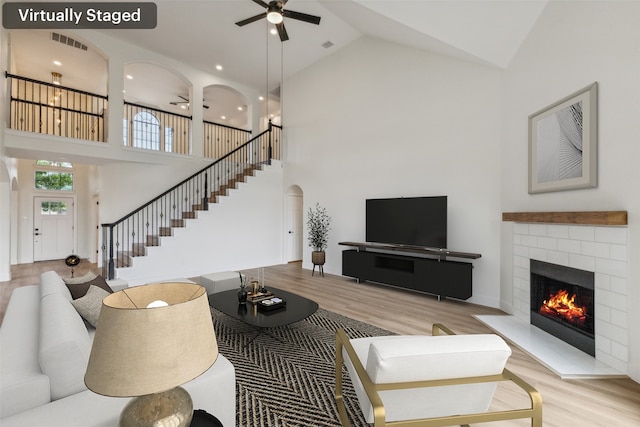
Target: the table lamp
pixel 149 340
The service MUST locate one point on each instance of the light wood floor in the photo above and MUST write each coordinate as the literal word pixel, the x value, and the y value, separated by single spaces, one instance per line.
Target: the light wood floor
pixel 585 403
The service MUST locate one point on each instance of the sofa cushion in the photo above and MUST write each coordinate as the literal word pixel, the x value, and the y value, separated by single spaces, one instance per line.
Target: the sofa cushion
pixel 79 286
pixel 213 391
pixel 23 386
pixel 51 282
pixel 89 305
pixel 64 345
pixel 421 358
pixel 413 358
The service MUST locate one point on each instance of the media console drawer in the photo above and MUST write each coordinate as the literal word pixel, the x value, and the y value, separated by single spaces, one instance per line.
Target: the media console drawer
pixel 444 278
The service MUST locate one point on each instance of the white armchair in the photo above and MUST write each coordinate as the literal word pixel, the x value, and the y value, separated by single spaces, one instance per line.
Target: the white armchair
pixel 428 380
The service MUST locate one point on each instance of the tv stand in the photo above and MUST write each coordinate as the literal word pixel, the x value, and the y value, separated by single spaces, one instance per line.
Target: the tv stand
pixel 417 268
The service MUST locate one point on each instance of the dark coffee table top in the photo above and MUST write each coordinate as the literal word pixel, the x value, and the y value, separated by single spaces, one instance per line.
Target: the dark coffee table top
pixel 296 309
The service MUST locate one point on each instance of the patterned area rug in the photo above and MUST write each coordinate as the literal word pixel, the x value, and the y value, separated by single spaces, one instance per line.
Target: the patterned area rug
pixel 285 376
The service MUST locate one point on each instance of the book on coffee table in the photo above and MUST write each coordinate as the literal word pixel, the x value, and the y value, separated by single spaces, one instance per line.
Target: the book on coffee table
pixel 271 304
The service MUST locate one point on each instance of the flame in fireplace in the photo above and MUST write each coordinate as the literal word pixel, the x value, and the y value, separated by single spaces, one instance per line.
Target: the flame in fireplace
pixel 563 306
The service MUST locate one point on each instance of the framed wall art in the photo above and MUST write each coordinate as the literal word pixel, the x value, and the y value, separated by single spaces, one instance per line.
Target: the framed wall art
pixel 563 142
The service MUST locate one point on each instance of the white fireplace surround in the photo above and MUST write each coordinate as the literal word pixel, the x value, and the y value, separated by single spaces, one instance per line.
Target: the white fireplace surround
pixel 599 249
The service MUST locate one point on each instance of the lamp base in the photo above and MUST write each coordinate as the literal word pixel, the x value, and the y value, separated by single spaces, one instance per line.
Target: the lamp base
pixel 171 408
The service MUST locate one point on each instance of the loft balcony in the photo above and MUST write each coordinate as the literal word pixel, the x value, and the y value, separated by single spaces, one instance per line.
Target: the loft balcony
pixel 48 109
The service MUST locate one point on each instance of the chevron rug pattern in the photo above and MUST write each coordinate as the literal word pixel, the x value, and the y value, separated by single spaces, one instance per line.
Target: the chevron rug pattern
pixel 285 376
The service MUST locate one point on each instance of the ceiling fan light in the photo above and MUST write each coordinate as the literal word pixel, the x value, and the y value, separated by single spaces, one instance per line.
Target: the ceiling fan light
pixel 274 15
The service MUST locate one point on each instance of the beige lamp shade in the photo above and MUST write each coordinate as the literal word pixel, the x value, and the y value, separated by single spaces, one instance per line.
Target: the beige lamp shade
pixel 139 350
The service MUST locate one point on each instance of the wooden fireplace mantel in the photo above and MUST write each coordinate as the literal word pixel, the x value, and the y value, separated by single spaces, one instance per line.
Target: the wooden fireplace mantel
pixel 583 218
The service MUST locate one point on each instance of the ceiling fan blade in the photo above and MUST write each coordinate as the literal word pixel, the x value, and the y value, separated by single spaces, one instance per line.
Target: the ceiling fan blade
pixel 261 3
pixel 282 32
pixel 184 98
pixel 250 20
pixel 301 16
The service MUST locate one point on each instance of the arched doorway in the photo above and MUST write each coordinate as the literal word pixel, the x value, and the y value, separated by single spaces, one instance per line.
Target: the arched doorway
pixel 293 223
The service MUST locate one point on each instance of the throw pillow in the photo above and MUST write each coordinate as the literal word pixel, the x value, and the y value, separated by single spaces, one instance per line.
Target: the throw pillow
pixel 89 305
pixel 79 286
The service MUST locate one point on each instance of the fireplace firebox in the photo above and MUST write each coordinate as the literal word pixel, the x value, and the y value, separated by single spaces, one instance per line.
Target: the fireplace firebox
pixel 562 303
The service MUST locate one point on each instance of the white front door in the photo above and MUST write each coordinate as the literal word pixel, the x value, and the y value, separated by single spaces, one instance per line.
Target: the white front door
pixel 53 236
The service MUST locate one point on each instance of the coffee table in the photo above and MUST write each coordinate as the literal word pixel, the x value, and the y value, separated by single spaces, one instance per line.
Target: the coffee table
pixel 297 308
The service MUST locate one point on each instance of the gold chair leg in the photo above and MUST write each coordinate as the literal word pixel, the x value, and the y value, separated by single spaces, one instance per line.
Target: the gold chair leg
pixel 342 410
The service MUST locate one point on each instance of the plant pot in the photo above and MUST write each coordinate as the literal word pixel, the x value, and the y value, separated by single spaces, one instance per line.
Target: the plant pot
pixel 318 257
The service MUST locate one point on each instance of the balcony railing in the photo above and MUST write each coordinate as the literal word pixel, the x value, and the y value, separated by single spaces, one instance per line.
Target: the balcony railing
pixel 50 109
pixel 275 141
pixel 152 129
pixel 219 139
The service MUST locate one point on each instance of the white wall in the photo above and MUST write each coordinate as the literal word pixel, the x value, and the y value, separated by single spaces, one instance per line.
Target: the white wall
pixel 572 45
pixel 377 119
pixel 5 223
pixel 5 177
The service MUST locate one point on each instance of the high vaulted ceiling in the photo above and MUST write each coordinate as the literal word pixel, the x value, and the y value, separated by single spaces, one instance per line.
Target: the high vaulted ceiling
pixel 203 34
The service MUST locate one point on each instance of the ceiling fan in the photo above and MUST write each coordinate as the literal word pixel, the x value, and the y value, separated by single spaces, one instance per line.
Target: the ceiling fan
pixel 275 14
pixel 185 100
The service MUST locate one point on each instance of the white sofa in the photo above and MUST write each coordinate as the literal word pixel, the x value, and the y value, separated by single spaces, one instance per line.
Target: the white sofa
pixel 44 351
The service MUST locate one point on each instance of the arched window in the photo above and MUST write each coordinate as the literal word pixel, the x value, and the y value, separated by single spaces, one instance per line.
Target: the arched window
pixel 146 131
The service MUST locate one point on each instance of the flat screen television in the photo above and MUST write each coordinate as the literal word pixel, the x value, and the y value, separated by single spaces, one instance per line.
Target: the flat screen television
pixel 412 221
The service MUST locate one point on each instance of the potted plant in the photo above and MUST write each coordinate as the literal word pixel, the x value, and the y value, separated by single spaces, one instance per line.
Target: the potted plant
pixel 318 223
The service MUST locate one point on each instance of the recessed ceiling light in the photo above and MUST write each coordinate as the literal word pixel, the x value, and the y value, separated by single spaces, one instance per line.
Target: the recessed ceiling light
pixel 261 98
pixel 219 67
pixel 129 76
pixel 239 108
pixel 58 63
pixel 223 117
pixel 273 31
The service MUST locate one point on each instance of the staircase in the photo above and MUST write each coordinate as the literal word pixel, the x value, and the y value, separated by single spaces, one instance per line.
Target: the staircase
pixel 145 227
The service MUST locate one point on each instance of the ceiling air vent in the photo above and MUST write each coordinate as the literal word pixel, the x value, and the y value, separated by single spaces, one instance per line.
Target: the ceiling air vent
pixel 56 37
pixel 327 44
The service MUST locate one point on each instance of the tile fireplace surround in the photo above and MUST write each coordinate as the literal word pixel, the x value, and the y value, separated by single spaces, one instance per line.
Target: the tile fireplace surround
pixel 593 243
